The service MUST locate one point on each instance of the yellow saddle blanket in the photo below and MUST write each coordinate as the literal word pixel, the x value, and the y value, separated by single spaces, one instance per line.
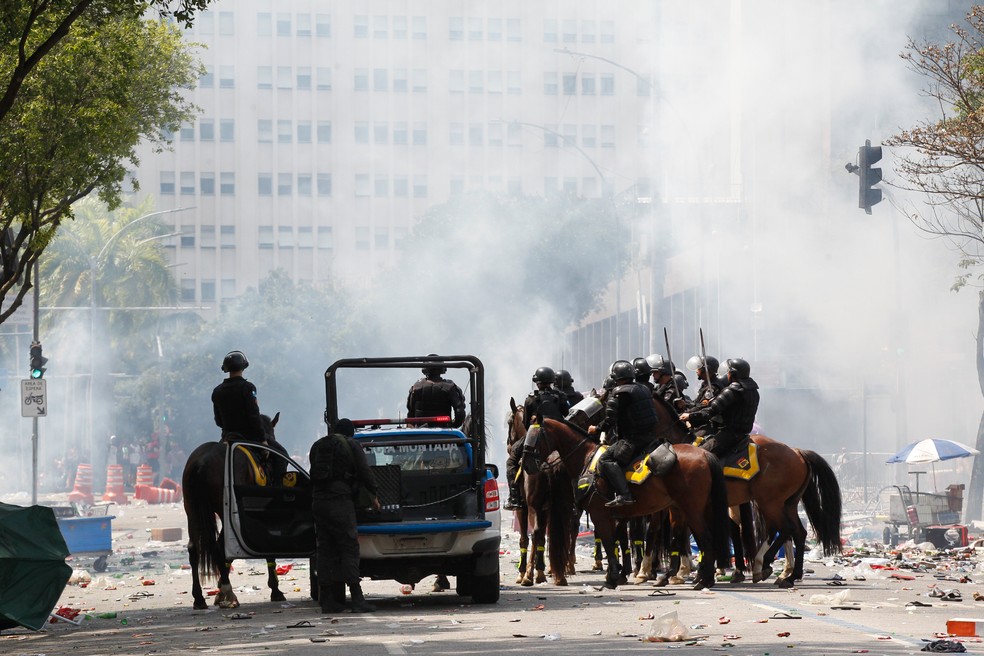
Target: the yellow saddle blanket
pixel 742 463
pixel 637 473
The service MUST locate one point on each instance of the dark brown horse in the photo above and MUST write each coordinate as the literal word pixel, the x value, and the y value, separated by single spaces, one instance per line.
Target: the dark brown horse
pixel 694 485
pixel 548 512
pixel 203 483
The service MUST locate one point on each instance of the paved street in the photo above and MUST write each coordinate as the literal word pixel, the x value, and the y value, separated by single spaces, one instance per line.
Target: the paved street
pixel 579 619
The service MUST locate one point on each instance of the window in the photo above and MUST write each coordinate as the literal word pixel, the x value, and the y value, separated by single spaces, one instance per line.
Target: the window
pixel 285 131
pixel 167 182
pixel 457 185
pixel 419 134
pixel 304 184
pixel 494 29
pixel 514 134
pixel 227 25
pixel 206 129
pixel 643 86
pixel 587 84
pixel 264 77
pixel 303 24
pixel 362 27
pixel 514 186
pixel 361 79
pixel 588 31
pixel 228 288
pixel 550 137
pixel 476 135
pixel 206 234
pixel 607 31
pixel 400 133
pixel 380 133
pixel 227 236
pixel 476 81
pixel 208 291
pixel 380 27
pixel 227 183
pixel 495 134
pixel 285 77
pixel 401 186
pixel 381 186
pixel 187 132
pixel 227 77
pixel 264 24
pixel 514 30
pixel 305 237
pixel 325 238
pixel 264 130
pixel 187 182
pixel 549 186
pixel 589 187
pixel 382 238
pixel 362 185
pixel 550 86
pixel 607 84
pixel 322 25
pixel 494 81
pixel 569 28
pixel 324 132
pixel 207 79
pixel 227 129
pixel 549 31
pixel 399 235
pixel 187 289
pixel 514 82
pixel 285 184
pixel 399 27
pixel 589 136
pixel 304 132
pixel 475 30
pixel 206 184
pixel 419 80
pixel 456 135
pixel 570 134
pixel 570 186
pixel 570 84
pixel 456 28
pixel 380 79
pixel 285 236
pixel 456 81
pixel 362 238
pixel 283 24
pixel 420 186
pixel 205 23
pixel 361 132
pixel 265 237
pixel 607 136
pixel 324 78
pixel 401 83
pixel 324 184
pixel 304 78
pixel 187 236
pixel 419 26
pixel 264 184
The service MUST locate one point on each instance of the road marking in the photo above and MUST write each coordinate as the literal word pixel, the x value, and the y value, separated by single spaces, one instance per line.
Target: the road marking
pixel 394 648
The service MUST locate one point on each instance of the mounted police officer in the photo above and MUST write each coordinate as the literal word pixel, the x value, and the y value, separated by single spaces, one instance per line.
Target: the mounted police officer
pixel 630 413
pixel 664 375
pixel 736 405
pixel 234 404
pixel 565 384
pixel 706 368
pixel 433 396
pixel 642 373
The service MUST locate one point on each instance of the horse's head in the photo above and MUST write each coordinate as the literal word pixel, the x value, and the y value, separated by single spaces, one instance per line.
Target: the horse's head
pixel 535 449
pixel 269 425
pixel 515 422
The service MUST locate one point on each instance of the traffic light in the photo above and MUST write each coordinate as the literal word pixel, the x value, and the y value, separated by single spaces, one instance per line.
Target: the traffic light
pixel 37 360
pixel 869 177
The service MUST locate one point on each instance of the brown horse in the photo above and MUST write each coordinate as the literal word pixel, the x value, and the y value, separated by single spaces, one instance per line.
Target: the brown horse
pixel 548 512
pixel 694 485
pixel 203 483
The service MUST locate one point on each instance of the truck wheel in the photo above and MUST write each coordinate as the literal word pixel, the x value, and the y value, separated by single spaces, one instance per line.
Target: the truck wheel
pixel 485 589
pixel 464 584
pixel 100 564
pixel 887 536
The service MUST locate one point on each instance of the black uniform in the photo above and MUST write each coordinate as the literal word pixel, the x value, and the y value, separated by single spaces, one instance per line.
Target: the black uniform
pixel 436 397
pixel 630 412
pixel 736 406
pixel 547 402
pixel 236 410
pixel 338 465
pixel 573 396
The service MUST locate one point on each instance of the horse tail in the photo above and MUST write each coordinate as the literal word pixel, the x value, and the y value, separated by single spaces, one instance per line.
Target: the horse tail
pixel 202 527
pixel 822 500
pixel 719 519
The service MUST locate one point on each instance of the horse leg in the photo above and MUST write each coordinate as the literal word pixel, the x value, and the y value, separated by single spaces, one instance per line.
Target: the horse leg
pixel 597 566
pixel 524 543
pixel 624 550
pixel 637 533
pixel 539 544
pixel 607 535
pixel 226 598
pixel 273 583
pixel 196 584
pixel 738 573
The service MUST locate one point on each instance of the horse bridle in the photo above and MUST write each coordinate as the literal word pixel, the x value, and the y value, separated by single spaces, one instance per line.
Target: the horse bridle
pixel 529 446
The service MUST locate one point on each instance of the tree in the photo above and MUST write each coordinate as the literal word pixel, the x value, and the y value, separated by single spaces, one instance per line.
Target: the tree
pixel 76 122
pixel 942 158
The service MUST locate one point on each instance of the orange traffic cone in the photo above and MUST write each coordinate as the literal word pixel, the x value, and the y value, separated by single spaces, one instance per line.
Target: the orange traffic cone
pixel 114 485
pixel 152 494
pixel 169 484
pixel 145 475
pixel 82 493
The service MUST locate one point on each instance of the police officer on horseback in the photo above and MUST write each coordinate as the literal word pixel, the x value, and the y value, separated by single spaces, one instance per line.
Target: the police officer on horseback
pixel 642 372
pixel 234 404
pixel 433 396
pixel 706 369
pixel 565 385
pixel 736 406
pixel 667 385
pixel 629 411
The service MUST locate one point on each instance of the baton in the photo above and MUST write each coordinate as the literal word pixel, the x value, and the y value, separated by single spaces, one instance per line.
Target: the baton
pixel 666 338
pixel 703 355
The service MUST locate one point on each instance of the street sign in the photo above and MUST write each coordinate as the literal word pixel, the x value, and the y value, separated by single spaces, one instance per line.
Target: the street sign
pixel 34 398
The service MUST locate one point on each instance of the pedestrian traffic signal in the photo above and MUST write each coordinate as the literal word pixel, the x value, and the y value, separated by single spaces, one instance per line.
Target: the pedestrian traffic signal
pixel 37 360
pixel 868 177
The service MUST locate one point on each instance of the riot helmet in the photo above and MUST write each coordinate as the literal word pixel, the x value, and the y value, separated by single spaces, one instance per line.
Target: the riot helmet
pixel 659 364
pixel 737 367
pixel 564 378
pixel 609 383
pixel 681 380
pixel 642 368
pixel 623 370
pixel 544 375
pixel 234 361
pixel 433 368
pixel 696 363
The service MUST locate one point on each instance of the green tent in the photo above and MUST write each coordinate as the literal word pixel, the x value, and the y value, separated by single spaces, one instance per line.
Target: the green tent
pixel 33 572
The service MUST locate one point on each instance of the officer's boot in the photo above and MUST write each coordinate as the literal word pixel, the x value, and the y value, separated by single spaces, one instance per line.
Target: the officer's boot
pixel 327 600
pixel 515 501
pixel 616 478
pixel 359 603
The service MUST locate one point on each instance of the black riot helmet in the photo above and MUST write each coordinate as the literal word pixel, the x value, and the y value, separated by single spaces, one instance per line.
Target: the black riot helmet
pixel 737 367
pixel 234 361
pixel 642 368
pixel 659 364
pixel 564 378
pixel 433 368
pixel 623 370
pixel 696 363
pixel 544 375
pixel 681 380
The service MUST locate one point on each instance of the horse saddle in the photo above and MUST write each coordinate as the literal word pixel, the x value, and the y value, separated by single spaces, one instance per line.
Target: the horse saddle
pixel 259 472
pixel 656 463
pixel 742 461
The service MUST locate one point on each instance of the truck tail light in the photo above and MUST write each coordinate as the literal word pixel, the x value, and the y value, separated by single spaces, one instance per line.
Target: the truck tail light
pixel 491 495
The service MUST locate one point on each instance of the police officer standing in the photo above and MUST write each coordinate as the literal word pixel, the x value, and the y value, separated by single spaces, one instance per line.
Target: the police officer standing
pixel 736 405
pixel 234 404
pixel 629 411
pixel 338 467
pixel 433 396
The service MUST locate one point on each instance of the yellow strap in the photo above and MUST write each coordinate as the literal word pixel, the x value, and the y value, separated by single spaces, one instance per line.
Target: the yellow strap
pixel 258 473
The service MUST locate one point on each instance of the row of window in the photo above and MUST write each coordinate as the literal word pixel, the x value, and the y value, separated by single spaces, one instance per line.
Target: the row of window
pixel 460 28
pixel 306 237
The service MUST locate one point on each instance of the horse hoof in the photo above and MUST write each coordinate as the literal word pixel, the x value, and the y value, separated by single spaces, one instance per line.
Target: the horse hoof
pixel 277 596
pixel 661 581
pixel 526 583
pixel 611 586
pixel 201 604
pixel 676 580
pixel 560 582
pixel 597 566
pixel 639 580
pixel 737 577
pixel 766 573
pixel 519 580
pixel 784 583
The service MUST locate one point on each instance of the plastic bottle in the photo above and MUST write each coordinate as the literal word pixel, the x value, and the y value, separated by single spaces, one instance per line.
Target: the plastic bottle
pixel 106 616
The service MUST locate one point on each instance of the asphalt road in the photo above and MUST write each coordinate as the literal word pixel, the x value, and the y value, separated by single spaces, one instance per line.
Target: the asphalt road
pixel 578 619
